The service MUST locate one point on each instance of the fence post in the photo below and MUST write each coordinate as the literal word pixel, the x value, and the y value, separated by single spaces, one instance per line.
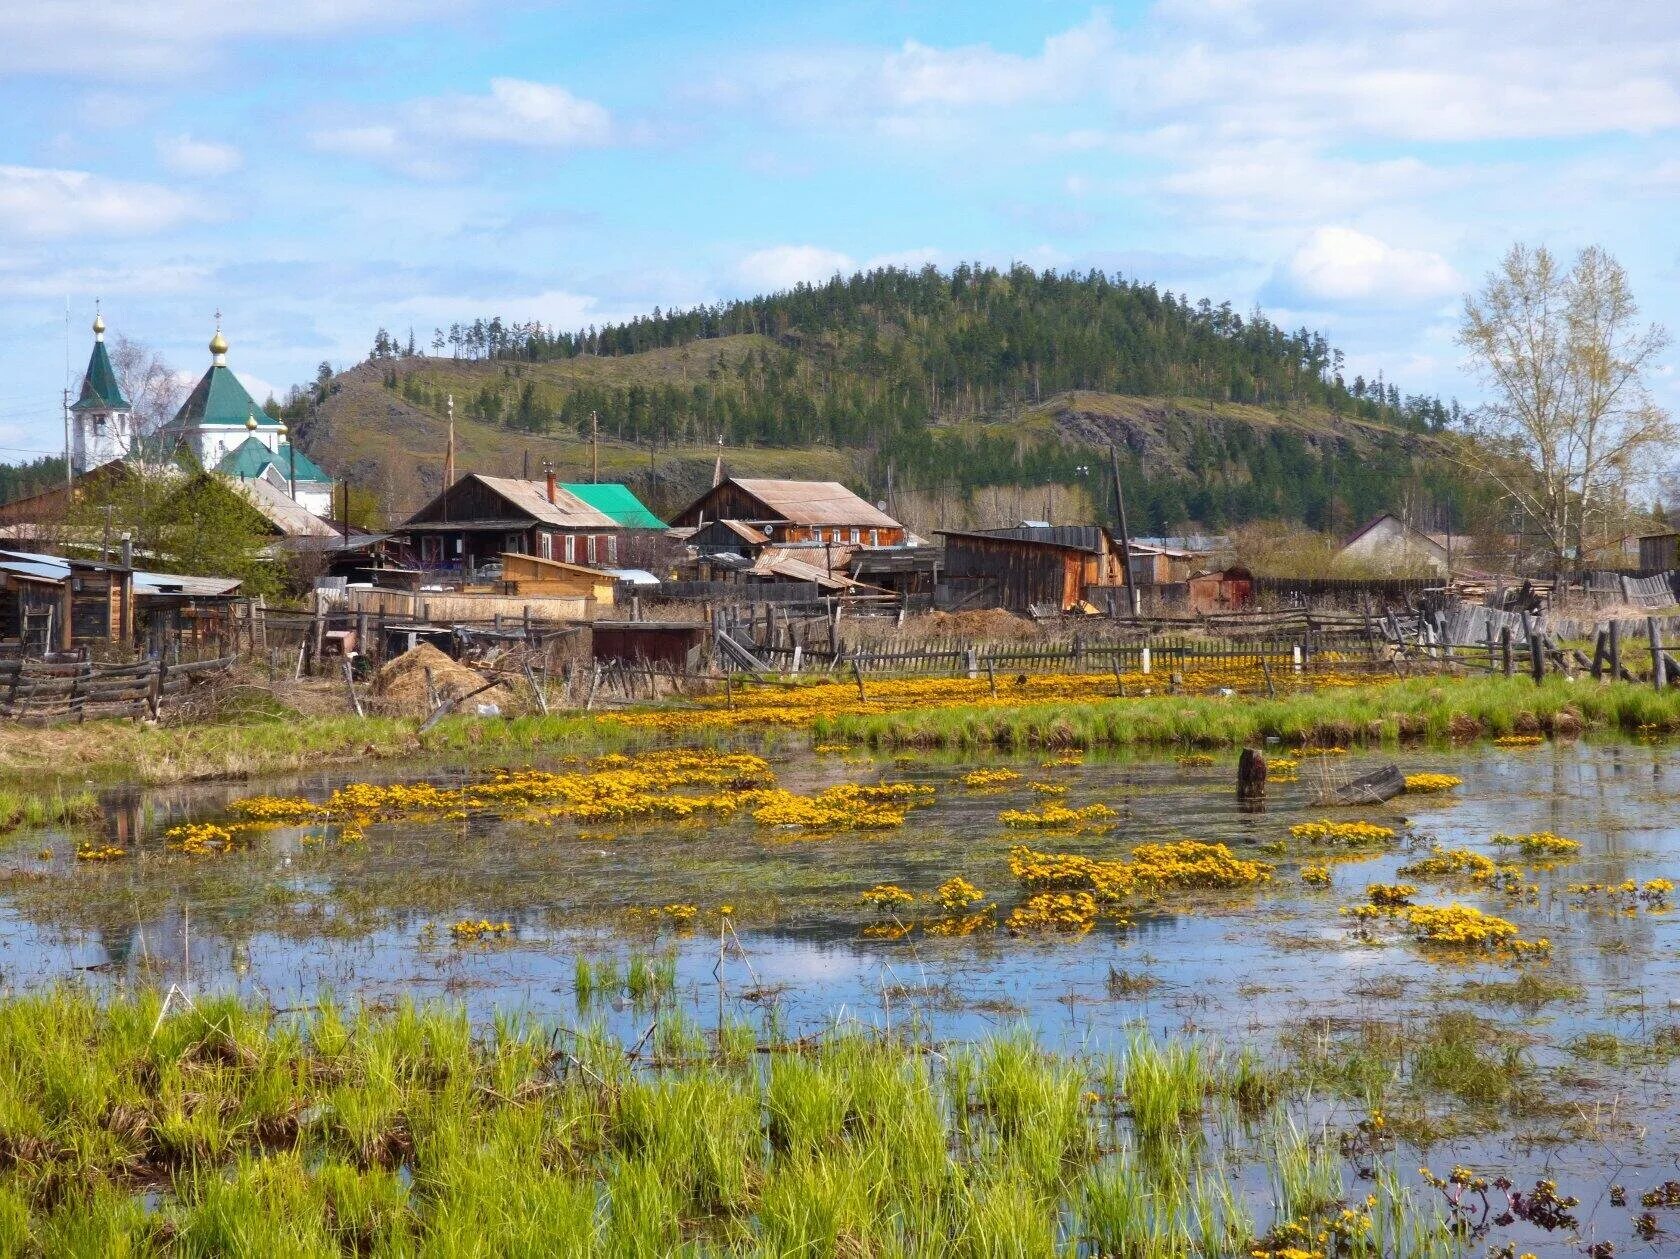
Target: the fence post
pixel 1536 657
pixel 1659 674
pixel 1615 651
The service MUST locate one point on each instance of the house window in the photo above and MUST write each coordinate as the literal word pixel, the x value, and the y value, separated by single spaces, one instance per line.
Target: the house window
pixel 545 545
pixel 514 542
pixel 854 535
pixel 431 550
pixel 589 549
pixel 874 537
pixel 612 549
pixel 571 548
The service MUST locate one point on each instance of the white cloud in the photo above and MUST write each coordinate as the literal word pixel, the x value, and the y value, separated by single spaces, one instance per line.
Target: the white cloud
pixel 1341 266
pixel 1282 183
pixel 515 112
pixel 42 202
pixel 159 38
pixel 783 266
pixel 431 137
pixel 188 156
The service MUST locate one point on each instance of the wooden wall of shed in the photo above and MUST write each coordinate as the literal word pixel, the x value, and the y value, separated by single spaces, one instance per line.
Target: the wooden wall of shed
pixel 1024 573
pixel 1660 552
pixel 445 606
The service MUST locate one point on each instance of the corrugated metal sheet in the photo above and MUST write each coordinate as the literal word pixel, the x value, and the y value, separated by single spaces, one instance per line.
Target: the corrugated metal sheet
pixel 815 503
pixel 567 511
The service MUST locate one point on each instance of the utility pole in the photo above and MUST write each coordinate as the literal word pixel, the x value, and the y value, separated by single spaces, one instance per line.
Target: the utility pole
pixel 449 450
pixel 346 517
pixel 1125 534
pixel 594 448
pixel 69 472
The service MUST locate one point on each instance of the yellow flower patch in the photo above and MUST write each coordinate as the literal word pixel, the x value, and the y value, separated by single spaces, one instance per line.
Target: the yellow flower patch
pixel 1328 832
pixel 1432 782
pixel 886 896
pixel 987 778
pixel 1051 816
pixel 1539 844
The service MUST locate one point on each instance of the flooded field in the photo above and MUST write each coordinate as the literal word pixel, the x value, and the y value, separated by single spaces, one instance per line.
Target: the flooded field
pixel 1547 1053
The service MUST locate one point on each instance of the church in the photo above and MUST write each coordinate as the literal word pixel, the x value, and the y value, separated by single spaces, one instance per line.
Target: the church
pixel 220 424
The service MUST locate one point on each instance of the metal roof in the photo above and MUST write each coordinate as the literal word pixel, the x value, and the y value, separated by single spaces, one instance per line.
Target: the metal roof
pixel 281 511
pixel 251 456
pixel 616 501
pixel 101 391
pixel 184 584
pixel 567 511
pixel 219 398
pixel 815 503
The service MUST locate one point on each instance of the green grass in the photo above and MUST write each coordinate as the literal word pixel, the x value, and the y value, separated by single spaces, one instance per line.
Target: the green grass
pixel 340 1132
pixel 26 810
pixel 1415 709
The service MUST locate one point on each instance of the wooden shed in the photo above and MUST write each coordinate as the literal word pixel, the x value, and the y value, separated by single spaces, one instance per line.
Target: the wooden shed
pixel 1659 552
pixel 1221 590
pixel 1017 568
pixel 533 575
pixel 679 645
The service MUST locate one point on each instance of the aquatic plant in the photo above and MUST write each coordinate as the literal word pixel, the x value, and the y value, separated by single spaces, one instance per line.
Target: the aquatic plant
pixel 985 778
pixel 1051 816
pixel 1539 844
pixel 1326 831
pixel 886 897
pixel 1432 782
pixel 1315 875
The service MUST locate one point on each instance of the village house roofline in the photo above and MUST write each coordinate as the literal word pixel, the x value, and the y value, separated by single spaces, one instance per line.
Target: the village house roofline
pixel 807 503
pixel 567 511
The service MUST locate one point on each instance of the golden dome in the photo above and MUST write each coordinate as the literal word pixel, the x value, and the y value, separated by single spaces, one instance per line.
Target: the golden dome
pixel 250 421
pixel 98 324
pixel 218 343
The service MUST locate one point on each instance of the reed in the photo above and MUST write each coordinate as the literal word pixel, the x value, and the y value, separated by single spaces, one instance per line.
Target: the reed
pixel 336 1132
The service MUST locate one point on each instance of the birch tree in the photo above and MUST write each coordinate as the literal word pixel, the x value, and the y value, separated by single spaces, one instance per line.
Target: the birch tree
pixel 1570 428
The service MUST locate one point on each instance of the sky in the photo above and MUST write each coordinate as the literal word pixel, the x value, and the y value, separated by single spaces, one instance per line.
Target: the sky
pixel 317 169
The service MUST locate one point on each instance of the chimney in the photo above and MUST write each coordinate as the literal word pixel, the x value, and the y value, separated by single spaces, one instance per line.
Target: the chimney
pixel 548 472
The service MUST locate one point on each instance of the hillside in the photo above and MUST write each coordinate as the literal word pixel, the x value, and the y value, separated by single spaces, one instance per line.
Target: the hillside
pixel 938 385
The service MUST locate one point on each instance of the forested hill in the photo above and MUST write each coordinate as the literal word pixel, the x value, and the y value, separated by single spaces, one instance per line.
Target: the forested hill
pixel 947 380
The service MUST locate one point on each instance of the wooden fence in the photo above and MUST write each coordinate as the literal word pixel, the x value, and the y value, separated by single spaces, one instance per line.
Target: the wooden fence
pixel 33 690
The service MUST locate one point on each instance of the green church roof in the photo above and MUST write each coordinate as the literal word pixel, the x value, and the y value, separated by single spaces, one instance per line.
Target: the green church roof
pixel 250 457
pixel 617 502
pixel 219 398
pixel 100 390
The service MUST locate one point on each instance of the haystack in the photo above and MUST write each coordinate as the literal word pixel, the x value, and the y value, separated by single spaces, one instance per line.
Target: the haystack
pixel 401 683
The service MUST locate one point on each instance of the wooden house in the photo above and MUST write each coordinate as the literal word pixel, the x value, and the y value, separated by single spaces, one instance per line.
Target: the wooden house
pixel 1031 566
pixel 1162 565
pixel 479 518
pixel 789 512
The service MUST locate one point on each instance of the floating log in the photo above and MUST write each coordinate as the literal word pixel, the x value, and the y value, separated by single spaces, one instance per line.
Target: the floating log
pixel 1373 788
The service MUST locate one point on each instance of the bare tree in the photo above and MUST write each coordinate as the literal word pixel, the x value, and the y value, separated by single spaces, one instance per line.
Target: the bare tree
pixel 151 385
pixel 1570 430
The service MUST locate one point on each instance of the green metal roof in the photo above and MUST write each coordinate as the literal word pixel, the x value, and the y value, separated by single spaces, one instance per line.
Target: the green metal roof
pixel 100 390
pixel 617 502
pixel 250 457
pixel 219 398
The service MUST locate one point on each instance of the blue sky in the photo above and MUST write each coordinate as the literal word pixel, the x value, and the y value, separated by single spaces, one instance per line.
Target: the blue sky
pixel 321 167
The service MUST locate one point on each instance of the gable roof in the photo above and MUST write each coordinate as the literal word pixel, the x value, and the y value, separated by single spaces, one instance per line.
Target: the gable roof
pixel 615 501
pixel 1415 535
pixel 219 398
pixel 101 390
pixel 567 511
pixel 277 507
pixel 810 503
pixel 248 460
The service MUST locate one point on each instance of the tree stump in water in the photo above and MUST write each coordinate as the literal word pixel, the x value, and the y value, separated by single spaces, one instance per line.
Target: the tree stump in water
pixel 1251 775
